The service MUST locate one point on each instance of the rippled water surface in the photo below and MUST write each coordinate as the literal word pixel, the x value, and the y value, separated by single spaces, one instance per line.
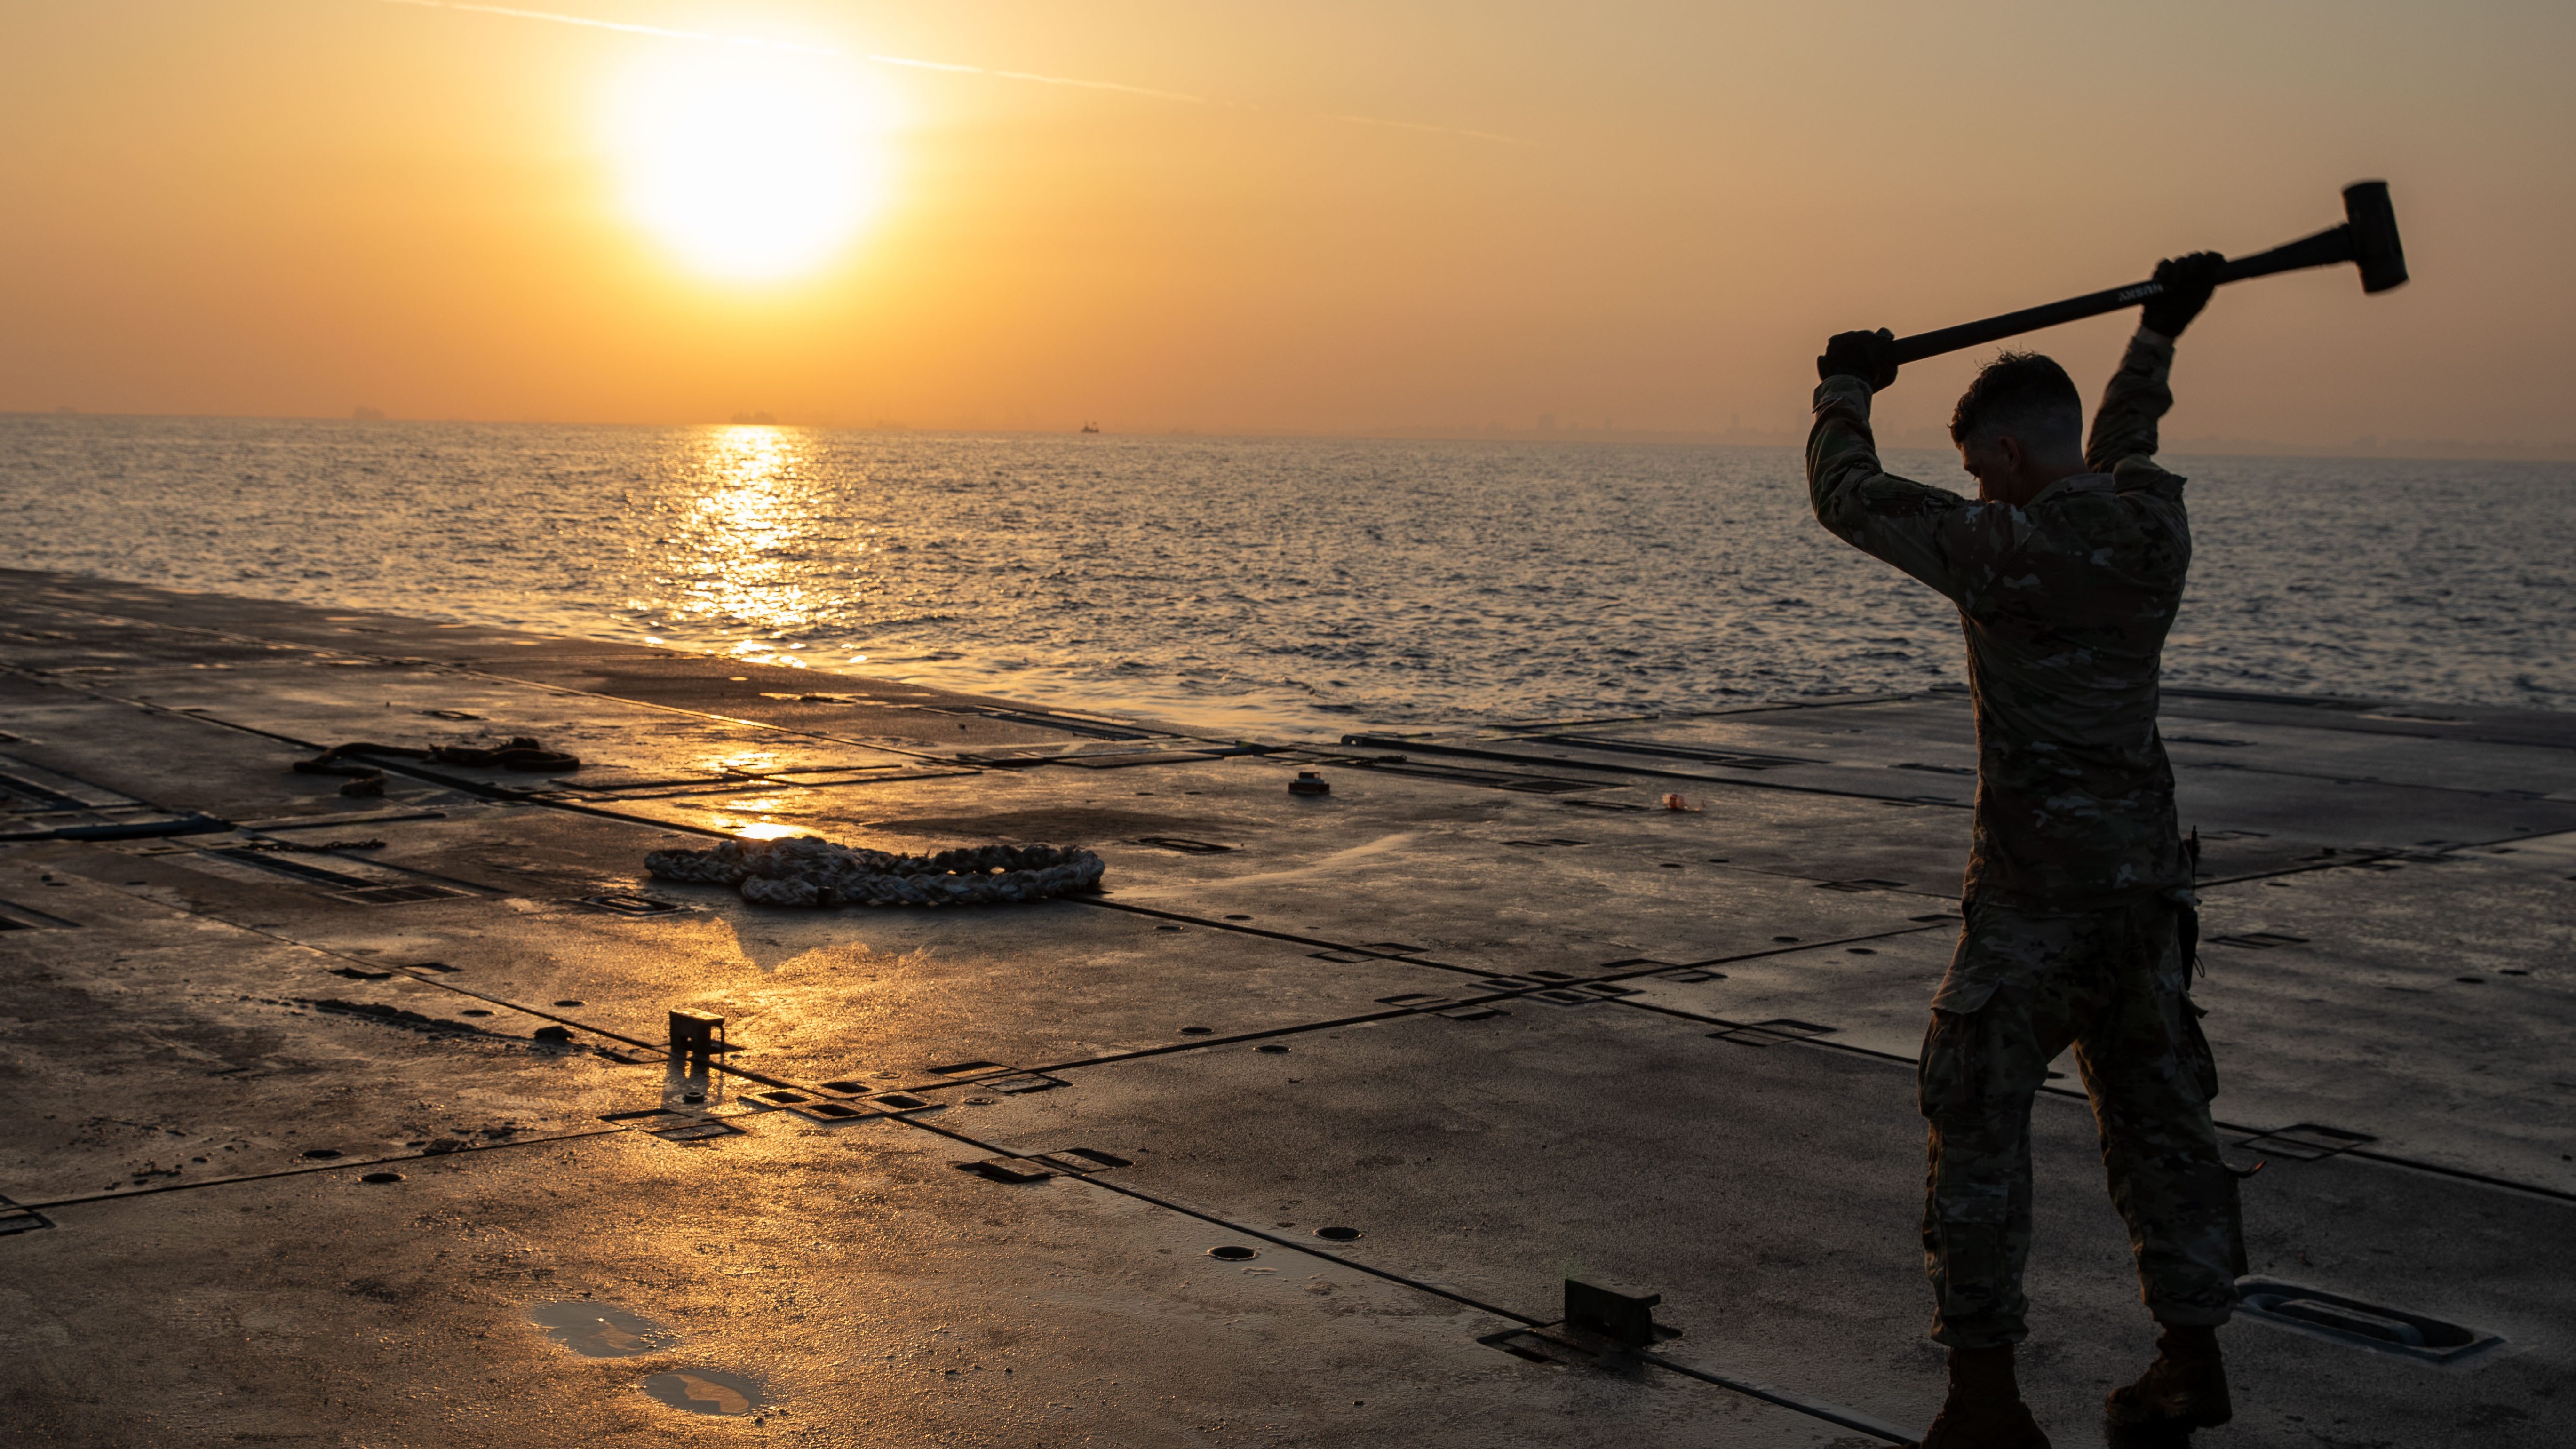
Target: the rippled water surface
pixel 1286 586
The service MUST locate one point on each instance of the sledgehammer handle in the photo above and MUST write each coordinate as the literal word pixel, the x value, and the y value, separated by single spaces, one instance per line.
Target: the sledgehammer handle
pixel 2029 319
pixel 2375 247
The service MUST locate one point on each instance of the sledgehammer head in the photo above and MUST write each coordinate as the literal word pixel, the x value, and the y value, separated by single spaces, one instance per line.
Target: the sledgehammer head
pixel 2375 248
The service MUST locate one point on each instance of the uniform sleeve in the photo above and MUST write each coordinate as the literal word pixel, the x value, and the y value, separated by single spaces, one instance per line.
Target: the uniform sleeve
pixel 1918 528
pixel 2124 427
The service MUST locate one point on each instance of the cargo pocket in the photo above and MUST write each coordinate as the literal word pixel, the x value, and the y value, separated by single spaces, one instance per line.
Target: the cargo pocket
pixel 1969 1194
pixel 1962 993
pixel 1948 1084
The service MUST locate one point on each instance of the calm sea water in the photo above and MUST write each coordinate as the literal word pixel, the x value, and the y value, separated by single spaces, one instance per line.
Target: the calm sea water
pixel 1286 586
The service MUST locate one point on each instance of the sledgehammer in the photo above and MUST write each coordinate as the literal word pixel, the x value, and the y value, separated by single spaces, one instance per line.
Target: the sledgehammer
pixel 2368 238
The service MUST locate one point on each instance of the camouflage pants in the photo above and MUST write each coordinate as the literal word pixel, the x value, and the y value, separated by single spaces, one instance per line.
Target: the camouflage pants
pixel 2022 988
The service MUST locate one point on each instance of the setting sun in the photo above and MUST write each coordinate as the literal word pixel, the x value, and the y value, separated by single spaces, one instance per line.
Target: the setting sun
pixel 749 164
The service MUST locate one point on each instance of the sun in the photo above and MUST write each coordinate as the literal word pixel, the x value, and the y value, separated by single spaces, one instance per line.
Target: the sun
pixel 749 164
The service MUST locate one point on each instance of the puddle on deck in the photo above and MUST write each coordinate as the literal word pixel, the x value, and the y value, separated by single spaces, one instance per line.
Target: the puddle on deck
pixel 704 1391
pixel 601 1330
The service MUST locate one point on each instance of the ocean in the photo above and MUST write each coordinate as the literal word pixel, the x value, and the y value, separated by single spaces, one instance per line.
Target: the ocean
pixel 1282 587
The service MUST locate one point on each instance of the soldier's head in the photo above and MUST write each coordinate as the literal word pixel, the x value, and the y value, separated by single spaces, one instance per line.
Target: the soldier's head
pixel 2019 427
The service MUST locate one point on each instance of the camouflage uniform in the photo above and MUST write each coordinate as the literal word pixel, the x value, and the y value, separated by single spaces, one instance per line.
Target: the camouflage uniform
pixel 2078 890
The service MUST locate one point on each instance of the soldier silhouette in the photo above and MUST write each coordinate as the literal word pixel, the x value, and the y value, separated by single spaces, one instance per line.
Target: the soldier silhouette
pixel 2067 569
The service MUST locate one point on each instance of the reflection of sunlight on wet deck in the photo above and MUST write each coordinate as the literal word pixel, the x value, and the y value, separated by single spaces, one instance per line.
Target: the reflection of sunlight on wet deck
pixel 739 762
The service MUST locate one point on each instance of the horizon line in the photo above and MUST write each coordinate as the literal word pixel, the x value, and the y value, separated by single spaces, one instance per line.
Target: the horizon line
pixel 2428 450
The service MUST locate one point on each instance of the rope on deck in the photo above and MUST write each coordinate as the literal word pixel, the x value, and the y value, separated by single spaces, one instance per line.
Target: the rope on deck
pixel 807 870
pixel 366 779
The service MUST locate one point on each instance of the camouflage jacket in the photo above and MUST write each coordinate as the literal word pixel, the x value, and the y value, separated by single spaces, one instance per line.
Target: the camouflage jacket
pixel 2065 603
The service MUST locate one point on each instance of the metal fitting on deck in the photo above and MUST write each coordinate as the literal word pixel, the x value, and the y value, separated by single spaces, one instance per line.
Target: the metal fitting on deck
pixel 696 1037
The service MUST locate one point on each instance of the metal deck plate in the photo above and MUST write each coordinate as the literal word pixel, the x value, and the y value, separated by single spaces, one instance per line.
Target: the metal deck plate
pixel 1507 1019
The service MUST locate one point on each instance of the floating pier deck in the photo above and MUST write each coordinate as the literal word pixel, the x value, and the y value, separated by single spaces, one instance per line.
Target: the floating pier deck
pixel 351 1121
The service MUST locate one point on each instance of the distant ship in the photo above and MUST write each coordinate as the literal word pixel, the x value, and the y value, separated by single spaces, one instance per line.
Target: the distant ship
pixel 1091 427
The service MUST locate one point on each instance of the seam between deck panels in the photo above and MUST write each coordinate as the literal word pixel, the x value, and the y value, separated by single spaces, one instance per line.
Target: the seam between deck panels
pixel 310 1169
pixel 2075 1094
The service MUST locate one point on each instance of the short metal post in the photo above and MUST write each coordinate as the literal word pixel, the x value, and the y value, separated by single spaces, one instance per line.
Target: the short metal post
pixel 696 1037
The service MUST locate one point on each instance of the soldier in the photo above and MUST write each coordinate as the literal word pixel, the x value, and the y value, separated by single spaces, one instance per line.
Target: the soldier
pixel 2067 569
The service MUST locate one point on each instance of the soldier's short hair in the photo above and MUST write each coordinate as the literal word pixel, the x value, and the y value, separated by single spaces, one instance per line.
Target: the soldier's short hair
pixel 2021 392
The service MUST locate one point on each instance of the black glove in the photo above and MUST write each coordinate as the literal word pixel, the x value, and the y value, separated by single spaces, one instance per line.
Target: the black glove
pixel 2187 283
pixel 1864 355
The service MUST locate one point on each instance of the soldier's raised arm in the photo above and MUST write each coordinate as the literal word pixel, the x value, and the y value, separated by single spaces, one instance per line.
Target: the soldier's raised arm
pixel 1908 524
pixel 2141 392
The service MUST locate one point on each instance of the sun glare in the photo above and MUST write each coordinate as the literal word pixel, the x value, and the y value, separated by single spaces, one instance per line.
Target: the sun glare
pixel 749 164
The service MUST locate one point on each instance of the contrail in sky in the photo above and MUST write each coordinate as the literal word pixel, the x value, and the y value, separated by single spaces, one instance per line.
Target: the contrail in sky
pixel 619 25
pixel 709 38
pixel 1047 80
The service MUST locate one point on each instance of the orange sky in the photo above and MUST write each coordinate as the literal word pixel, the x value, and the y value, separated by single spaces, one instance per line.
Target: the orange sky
pixel 301 206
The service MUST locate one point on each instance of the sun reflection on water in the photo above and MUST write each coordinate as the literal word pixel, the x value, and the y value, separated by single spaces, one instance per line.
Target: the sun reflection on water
pixel 745 548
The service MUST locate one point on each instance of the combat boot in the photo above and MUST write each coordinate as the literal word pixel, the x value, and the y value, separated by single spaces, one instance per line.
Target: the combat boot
pixel 2185 1388
pixel 1984 1410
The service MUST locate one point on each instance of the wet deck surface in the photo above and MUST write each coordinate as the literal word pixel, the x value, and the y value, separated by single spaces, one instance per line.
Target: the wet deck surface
pixel 292 1166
